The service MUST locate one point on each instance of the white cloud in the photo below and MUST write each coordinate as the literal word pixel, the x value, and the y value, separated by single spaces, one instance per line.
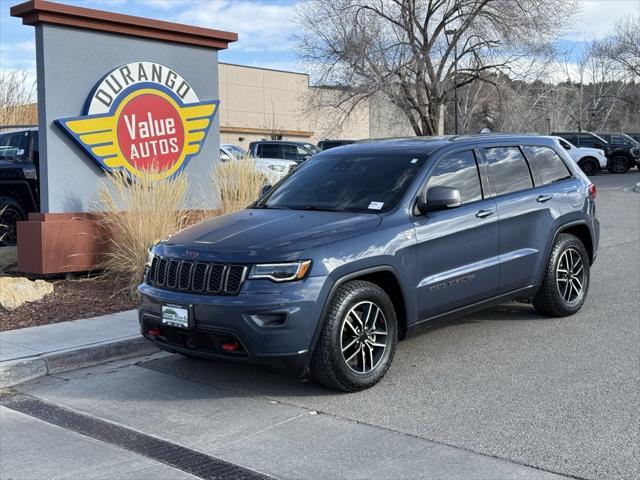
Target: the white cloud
pixel 260 26
pixel 597 18
pixel 18 55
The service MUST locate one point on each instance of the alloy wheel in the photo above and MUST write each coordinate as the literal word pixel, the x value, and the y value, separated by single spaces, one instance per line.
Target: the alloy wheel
pixel 570 275
pixel 363 337
pixel 8 226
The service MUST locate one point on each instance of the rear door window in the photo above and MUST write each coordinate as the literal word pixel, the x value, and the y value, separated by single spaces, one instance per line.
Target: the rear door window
pixel 269 150
pixel 588 140
pixel 458 170
pixel 507 169
pixel 547 164
pixel 290 152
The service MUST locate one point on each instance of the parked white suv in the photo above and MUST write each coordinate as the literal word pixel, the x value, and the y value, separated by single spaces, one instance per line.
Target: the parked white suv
pixel 590 160
pixel 272 168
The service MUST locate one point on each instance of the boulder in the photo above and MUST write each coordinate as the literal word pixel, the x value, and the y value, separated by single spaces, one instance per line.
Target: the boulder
pixel 15 291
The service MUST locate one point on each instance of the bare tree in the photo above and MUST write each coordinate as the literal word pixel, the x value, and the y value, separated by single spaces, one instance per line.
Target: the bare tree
pixel 17 95
pixel 409 49
pixel 623 48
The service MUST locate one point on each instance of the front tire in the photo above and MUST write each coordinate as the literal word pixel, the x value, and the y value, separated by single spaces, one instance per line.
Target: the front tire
pixel 358 338
pixel 619 164
pixel 589 166
pixel 566 281
pixel 11 212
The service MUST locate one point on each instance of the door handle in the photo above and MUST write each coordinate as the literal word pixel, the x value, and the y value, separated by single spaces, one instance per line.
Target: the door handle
pixel 543 198
pixel 484 213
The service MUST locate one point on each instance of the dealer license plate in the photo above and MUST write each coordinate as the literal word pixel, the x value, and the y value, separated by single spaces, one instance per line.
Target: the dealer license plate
pixel 175 316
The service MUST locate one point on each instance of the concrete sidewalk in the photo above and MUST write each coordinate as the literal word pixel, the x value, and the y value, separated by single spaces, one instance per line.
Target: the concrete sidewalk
pixel 33 352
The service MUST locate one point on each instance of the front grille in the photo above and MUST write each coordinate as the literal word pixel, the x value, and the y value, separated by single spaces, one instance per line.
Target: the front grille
pixel 196 277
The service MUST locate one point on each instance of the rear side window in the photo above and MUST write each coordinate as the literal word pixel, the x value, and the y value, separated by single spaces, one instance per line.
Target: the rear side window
pixel 588 140
pixel 460 171
pixel 269 150
pixel 547 164
pixel 507 169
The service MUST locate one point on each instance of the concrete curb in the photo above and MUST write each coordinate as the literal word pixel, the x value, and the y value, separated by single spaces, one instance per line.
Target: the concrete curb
pixel 22 370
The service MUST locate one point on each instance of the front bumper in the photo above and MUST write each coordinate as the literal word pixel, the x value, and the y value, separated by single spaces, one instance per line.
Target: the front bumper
pixel 271 323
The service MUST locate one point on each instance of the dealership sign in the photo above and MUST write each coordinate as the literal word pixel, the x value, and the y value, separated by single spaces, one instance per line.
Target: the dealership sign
pixel 142 116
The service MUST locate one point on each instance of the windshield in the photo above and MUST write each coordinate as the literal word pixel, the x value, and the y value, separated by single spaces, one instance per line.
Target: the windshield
pixel 236 151
pixel 630 140
pixel 14 146
pixel 349 183
pixel 313 149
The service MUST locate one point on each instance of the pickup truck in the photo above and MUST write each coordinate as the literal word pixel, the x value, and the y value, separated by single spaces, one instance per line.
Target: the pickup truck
pixel 19 193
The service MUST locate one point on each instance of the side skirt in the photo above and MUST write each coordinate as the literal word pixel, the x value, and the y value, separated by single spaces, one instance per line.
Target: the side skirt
pixel 422 325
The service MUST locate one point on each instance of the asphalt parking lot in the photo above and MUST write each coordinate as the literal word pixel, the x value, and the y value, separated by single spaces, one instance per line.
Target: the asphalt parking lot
pixel 504 393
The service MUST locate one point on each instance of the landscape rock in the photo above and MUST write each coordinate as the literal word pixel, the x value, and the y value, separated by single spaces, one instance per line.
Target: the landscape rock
pixel 15 291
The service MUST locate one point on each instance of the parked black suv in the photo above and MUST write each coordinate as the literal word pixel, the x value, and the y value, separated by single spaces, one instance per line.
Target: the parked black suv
pixel 621 156
pixel 285 150
pixel 624 146
pixel 327 144
pixel 18 180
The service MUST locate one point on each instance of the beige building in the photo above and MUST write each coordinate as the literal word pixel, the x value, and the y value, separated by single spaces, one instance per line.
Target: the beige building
pixel 259 103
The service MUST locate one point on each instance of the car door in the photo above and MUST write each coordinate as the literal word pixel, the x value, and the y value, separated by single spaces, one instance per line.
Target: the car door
pixel 526 216
pixel 457 248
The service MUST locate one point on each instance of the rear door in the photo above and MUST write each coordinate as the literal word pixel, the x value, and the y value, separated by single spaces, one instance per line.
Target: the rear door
pixel 526 216
pixel 457 248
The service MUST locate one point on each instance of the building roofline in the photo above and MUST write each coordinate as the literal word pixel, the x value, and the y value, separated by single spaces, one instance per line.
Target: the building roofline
pixel 264 68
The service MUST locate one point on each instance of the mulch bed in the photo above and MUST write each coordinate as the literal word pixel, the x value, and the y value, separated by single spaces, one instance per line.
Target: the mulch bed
pixel 72 299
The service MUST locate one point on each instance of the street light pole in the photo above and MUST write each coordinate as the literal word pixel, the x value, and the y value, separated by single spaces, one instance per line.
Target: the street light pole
pixel 455 79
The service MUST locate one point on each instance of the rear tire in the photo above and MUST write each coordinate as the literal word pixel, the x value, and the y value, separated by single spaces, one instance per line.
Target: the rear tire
pixel 10 212
pixel 566 281
pixel 619 164
pixel 358 338
pixel 589 166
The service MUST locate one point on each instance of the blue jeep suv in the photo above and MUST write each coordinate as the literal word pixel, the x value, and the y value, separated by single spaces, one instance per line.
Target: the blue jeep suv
pixel 363 244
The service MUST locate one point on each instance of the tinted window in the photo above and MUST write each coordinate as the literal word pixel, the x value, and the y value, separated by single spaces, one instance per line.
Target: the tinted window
pixel 588 141
pixel 547 163
pixel 458 171
pixel 508 170
pixel 14 146
pixel 372 183
pixel 565 145
pixel 290 152
pixel 269 150
pixel 619 139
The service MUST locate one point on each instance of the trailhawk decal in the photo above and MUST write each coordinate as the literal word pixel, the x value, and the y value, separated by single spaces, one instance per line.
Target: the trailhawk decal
pixel 142 116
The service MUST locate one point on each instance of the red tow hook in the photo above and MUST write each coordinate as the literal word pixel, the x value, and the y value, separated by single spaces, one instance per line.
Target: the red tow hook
pixel 230 346
pixel 154 332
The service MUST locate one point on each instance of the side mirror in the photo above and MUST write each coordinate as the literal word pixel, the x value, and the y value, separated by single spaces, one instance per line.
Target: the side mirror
pixel 264 190
pixel 438 198
pixel 306 157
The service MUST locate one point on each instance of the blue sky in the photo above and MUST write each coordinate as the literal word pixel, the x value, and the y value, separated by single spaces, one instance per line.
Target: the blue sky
pixel 266 28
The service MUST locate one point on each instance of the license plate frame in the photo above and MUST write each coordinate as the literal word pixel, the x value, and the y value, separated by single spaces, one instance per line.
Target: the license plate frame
pixel 176 315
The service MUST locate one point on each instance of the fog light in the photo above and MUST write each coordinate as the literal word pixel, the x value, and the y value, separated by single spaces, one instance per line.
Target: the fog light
pixel 230 346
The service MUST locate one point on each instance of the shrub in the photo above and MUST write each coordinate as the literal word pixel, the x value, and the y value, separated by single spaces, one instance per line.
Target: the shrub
pixel 137 212
pixel 237 183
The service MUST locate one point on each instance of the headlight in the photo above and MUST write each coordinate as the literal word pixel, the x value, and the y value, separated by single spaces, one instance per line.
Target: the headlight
pixel 280 272
pixel 276 168
pixel 149 258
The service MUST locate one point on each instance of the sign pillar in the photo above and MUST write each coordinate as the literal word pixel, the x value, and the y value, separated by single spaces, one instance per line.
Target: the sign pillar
pixel 115 92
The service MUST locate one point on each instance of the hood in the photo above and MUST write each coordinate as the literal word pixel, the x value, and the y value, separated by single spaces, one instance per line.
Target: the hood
pixel 263 235
pixel 592 151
